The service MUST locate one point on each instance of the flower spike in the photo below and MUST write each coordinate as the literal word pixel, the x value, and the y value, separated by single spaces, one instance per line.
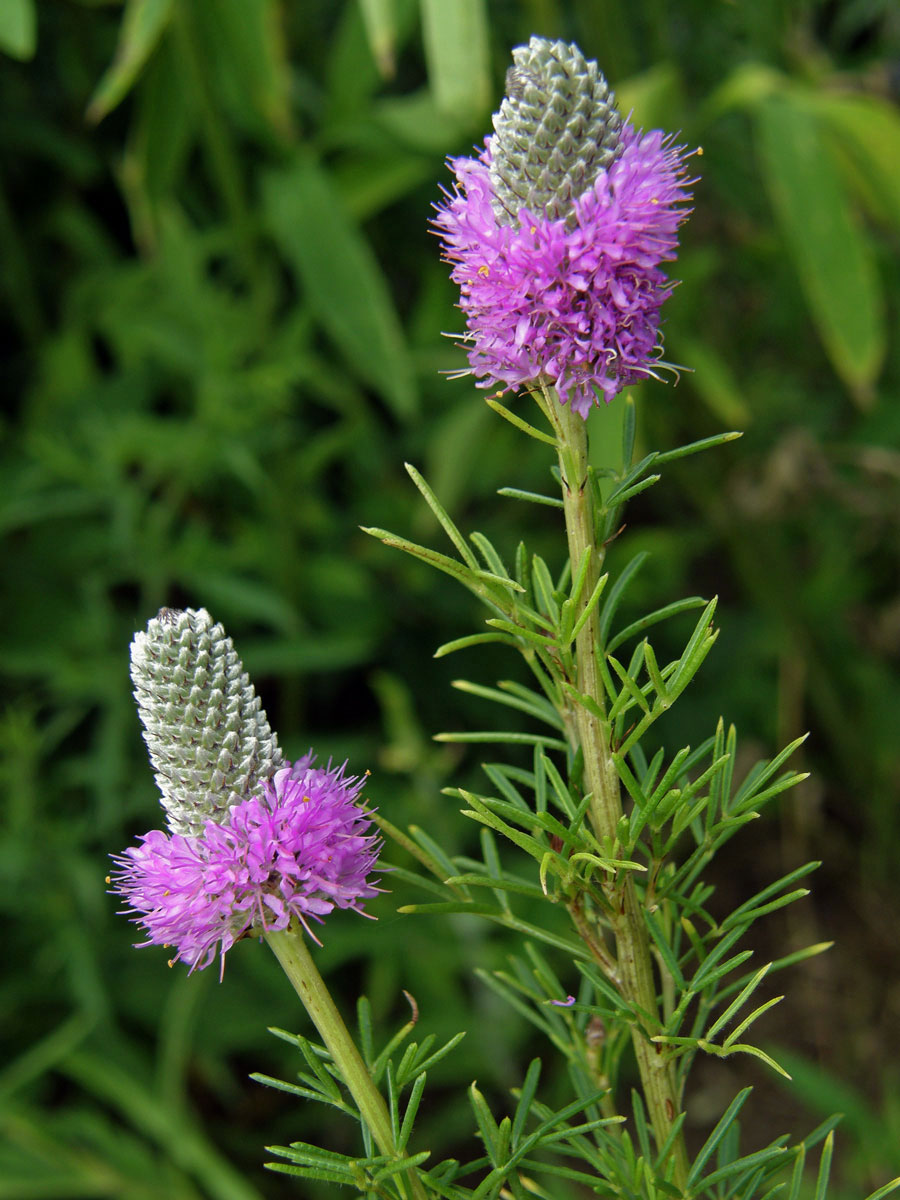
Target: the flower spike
pixel 295 851
pixel 208 737
pixel 557 232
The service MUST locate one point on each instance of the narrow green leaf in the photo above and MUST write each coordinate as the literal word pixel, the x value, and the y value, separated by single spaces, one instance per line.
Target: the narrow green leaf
pixel 443 517
pixel 622 495
pixel 342 281
pixel 425 1064
pixel 740 1165
pixel 490 1132
pixel 451 906
pixel 474 580
pixel 629 423
pixel 611 865
pixel 526 1095
pixel 762 771
pixel 143 24
pixel 665 950
pixel 520 424
pixel 661 614
pixel 728 1117
pixel 732 1038
pixel 508 739
pixel 887 1190
pixel 502 883
pixel 380 21
pixel 718 439
pixel 480 812
pixel 431 853
pixel 587 610
pixel 18 28
pixel 653 671
pixel 412 1108
pixel 580 577
pixel 742 1048
pixel 519 631
pixel 494 562
pixel 534 497
pixel 588 702
pixel 778 964
pixel 543 589
pixel 736 1004
pixel 616 592
pixel 559 786
pixel 640 1125
pixel 748 915
pixel 719 951
pixel 501 776
pixel 824 1169
pixel 456 52
pixel 797 1174
pixel 473 639
pixel 400 1165
pixel 630 687
pixel 833 258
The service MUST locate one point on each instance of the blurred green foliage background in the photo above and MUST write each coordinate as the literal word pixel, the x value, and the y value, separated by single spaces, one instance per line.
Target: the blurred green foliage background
pixel 221 313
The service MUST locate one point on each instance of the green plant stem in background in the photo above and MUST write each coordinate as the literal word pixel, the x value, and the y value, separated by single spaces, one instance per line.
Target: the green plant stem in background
pixel 297 963
pixel 634 965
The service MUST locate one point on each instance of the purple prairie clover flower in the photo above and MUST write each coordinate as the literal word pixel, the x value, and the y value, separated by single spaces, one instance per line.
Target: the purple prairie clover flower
pixel 297 849
pixel 558 255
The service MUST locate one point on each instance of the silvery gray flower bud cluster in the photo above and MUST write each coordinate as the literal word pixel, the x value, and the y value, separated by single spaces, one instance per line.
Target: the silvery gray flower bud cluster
pixel 556 130
pixel 208 737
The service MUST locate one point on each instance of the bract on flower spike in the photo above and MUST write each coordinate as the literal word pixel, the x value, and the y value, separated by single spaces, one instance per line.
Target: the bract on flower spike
pixel 208 737
pixel 557 231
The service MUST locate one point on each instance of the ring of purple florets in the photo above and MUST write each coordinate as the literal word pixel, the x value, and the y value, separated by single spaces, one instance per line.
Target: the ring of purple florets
pixel 573 302
pixel 298 850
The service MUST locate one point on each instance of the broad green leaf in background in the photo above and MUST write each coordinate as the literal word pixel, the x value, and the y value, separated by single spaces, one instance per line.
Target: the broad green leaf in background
pixel 245 58
pixel 866 132
pixel 143 24
pixel 456 50
pixel 342 280
pixel 162 131
pixel 832 256
pixel 380 20
pixel 18 28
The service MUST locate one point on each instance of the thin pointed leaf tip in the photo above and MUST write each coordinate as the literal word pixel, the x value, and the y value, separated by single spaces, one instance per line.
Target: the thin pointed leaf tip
pixel 556 234
pixel 207 734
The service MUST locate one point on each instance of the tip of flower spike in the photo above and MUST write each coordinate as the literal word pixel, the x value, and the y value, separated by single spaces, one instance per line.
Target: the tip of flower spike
pixel 557 129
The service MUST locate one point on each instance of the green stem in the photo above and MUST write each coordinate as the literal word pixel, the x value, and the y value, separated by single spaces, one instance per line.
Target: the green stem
pixel 296 961
pixel 634 962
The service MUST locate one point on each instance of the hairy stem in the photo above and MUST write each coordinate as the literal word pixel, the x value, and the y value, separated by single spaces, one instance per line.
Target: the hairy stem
pixel 634 962
pixel 296 961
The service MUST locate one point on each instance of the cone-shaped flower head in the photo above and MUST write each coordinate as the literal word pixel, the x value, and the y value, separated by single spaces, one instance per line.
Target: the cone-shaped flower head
pixel 556 130
pixel 556 234
pixel 298 848
pixel 209 741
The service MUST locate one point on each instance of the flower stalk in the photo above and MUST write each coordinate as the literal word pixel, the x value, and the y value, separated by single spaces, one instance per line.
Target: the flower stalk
pixel 590 732
pixel 289 947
